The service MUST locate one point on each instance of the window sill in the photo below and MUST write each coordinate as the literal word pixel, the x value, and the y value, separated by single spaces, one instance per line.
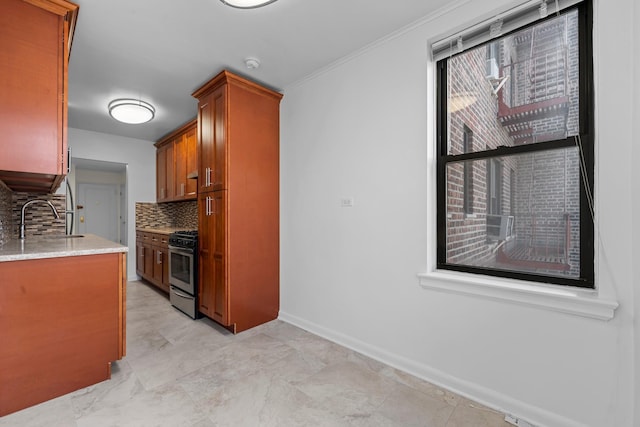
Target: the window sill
pixel 573 301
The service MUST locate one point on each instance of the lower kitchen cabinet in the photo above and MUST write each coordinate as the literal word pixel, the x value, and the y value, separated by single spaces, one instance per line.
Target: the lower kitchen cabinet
pixel 160 254
pixel 152 258
pixel 140 254
pixel 238 263
pixel 63 323
pixel 213 291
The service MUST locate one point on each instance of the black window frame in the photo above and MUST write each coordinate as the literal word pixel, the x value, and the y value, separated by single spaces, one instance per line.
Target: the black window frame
pixel 467 180
pixel 586 133
pixel 494 168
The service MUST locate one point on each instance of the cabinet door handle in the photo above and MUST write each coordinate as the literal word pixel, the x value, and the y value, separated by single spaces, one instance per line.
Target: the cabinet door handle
pixel 208 177
pixel 182 189
pixel 209 211
pixel 159 257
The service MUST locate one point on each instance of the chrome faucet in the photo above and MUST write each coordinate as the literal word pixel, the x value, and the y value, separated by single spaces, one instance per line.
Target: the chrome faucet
pixel 30 202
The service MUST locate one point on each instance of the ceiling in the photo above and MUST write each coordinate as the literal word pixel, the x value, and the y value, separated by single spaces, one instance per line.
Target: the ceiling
pixel 161 51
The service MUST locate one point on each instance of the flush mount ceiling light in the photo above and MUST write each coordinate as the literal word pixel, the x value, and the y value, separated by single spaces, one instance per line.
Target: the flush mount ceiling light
pixel 132 111
pixel 247 4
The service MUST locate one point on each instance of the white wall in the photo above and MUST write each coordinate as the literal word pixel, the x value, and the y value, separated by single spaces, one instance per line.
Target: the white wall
pixel 635 180
pixel 140 158
pixel 359 128
pixel 100 177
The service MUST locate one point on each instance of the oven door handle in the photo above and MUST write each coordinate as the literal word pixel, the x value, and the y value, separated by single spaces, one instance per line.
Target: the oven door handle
pixel 181 250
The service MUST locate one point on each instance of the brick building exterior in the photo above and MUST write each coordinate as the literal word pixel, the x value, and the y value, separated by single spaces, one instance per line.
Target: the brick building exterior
pixel 519 212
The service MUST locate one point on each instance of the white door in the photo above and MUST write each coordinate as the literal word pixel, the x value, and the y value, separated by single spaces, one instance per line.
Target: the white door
pixel 98 210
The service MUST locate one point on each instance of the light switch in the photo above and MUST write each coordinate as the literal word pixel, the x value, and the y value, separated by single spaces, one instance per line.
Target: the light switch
pixel 346 202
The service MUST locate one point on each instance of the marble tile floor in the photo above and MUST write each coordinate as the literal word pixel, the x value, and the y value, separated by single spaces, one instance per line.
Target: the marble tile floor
pixel 180 372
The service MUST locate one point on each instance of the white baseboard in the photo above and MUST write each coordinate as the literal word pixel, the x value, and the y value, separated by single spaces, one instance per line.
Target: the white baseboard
pixel 533 415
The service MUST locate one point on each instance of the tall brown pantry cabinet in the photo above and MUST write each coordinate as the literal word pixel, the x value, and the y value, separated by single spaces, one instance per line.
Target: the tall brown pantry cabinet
pixel 238 201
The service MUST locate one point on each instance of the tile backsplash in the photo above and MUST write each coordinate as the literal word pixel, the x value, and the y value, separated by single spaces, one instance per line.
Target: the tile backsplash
pixel 5 214
pixel 39 219
pixel 159 215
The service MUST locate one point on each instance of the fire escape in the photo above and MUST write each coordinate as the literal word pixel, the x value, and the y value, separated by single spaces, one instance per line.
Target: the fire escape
pixel 533 106
pixel 536 87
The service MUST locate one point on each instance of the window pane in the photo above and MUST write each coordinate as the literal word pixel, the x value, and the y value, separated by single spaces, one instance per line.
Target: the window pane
pixel 518 89
pixel 526 213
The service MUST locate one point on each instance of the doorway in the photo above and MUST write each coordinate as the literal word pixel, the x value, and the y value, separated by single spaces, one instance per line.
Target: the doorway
pixel 98 199
pixel 98 208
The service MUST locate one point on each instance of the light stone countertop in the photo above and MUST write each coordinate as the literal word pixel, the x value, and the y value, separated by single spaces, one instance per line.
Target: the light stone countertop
pixel 160 230
pixel 57 246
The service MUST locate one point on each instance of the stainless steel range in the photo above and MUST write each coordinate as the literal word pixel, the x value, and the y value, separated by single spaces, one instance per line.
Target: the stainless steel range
pixel 183 272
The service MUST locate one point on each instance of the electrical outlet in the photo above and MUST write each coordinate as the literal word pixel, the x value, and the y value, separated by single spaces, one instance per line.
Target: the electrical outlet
pixel 517 421
pixel 346 202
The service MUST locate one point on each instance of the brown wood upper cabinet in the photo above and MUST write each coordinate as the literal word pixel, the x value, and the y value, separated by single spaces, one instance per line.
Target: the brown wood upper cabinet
pixel 186 164
pixel 238 201
pixel 35 42
pixel 212 135
pixel 176 162
pixel 165 171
